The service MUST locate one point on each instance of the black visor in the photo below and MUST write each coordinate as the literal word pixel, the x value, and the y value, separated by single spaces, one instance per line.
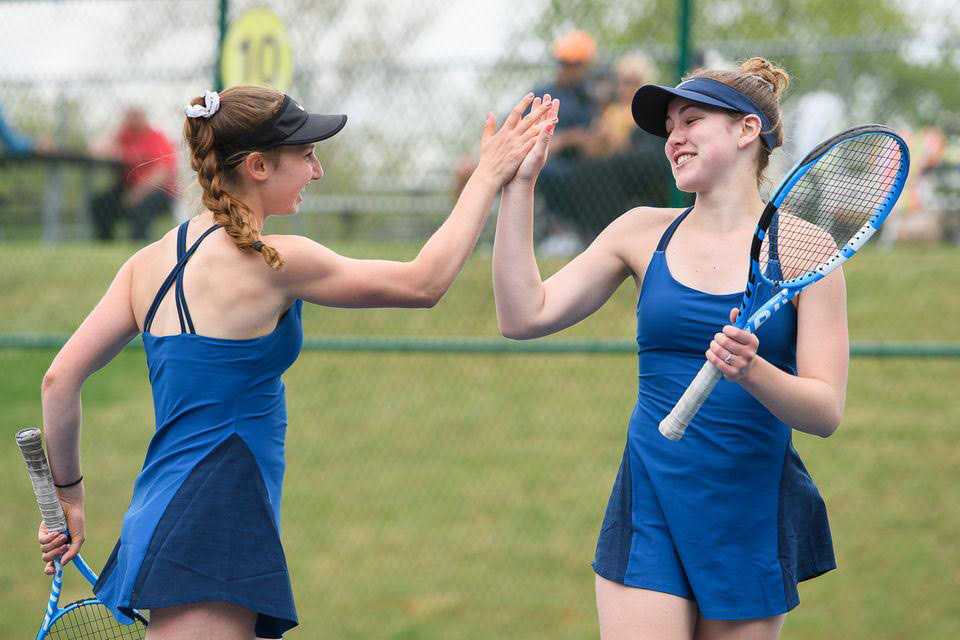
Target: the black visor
pixel 290 125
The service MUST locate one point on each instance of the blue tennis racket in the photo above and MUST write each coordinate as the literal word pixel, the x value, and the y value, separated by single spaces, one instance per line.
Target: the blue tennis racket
pixel 85 619
pixel 829 205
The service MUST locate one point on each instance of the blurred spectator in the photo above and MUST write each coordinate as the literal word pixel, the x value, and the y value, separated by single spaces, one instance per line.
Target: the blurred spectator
pixel 626 167
pixel 13 142
pixel 946 187
pixel 615 126
pixel 927 209
pixel 148 187
pixel 603 87
pixel 574 54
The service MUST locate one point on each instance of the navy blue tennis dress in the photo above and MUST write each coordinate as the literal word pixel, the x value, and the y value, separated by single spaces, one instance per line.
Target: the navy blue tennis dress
pixel 204 521
pixel 728 516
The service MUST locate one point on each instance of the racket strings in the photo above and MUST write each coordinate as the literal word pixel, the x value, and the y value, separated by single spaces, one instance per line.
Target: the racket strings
pixel 93 621
pixel 830 205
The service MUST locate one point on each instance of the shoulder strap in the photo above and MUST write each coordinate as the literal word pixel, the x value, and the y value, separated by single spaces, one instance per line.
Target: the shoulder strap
pixel 668 233
pixel 175 275
pixel 178 293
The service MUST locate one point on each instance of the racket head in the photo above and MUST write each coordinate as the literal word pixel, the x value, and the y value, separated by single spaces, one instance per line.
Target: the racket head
pixel 829 205
pixel 83 619
pixel 86 617
pixel 89 619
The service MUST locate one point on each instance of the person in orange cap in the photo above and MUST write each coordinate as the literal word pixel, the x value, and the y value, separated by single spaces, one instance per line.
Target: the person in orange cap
pixel 575 53
pixel 575 46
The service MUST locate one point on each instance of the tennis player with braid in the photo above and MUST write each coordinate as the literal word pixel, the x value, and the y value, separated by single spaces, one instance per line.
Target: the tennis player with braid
pixel 218 306
pixel 708 536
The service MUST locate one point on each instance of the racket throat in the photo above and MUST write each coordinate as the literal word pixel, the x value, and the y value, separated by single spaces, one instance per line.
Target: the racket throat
pixel 764 313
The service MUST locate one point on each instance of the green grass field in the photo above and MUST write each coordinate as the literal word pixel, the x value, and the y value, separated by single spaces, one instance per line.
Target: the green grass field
pixel 459 496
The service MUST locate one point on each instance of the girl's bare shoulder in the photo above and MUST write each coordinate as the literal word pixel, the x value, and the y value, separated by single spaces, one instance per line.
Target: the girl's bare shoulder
pixel 641 225
pixel 157 253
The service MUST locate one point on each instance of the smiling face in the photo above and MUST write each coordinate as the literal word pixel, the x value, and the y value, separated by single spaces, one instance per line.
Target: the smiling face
pixel 703 143
pixel 292 169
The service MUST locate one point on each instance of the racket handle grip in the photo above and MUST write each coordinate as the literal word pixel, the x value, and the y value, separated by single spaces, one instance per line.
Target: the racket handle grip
pixel 673 426
pixel 38 469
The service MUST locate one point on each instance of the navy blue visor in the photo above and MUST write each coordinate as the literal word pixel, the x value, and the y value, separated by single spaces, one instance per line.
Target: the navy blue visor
pixel 651 100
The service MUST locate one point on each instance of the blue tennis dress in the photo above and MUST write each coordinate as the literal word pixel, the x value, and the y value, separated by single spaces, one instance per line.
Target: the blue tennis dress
pixel 728 516
pixel 204 521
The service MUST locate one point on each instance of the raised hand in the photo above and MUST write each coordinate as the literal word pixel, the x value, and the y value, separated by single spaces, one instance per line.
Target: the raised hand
pixel 501 151
pixel 532 164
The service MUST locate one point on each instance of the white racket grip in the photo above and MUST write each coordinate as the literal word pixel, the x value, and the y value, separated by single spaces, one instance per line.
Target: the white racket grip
pixel 673 426
pixel 31 446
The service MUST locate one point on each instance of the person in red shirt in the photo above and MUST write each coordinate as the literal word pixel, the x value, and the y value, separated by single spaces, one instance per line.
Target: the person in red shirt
pixel 148 186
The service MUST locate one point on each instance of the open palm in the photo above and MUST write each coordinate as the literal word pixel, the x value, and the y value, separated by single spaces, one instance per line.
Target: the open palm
pixel 533 163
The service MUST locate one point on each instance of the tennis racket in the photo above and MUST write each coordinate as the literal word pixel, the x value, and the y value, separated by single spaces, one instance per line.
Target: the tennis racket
pixel 824 211
pixel 85 619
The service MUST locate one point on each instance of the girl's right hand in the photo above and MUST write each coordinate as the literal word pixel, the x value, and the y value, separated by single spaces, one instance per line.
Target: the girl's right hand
pixel 501 151
pixel 57 544
pixel 531 165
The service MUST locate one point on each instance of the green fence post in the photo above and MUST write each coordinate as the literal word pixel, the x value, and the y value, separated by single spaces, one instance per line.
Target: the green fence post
pixel 683 38
pixel 677 199
pixel 223 22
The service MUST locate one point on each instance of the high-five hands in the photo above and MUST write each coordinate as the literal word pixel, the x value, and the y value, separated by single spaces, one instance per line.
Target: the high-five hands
pixel 502 151
pixel 537 157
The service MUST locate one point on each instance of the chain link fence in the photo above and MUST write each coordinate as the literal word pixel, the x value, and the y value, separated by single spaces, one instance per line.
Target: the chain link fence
pixel 458 495
pixel 417 80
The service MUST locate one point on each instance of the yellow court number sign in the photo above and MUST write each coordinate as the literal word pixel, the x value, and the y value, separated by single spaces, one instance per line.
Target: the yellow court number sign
pixel 257 51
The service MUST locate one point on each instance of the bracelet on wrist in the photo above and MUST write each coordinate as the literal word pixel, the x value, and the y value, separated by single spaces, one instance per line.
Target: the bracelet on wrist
pixel 69 484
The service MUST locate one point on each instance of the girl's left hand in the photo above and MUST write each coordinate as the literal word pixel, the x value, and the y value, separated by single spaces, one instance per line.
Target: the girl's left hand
pixel 733 351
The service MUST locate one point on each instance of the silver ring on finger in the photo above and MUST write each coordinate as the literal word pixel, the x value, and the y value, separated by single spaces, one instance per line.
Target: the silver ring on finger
pixel 728 359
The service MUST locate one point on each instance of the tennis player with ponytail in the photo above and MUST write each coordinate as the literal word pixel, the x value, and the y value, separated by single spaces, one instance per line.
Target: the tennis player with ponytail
pixel 705 537
pixel 218 306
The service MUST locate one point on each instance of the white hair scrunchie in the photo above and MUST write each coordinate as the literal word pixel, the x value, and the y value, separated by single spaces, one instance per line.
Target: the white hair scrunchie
pixel 211 104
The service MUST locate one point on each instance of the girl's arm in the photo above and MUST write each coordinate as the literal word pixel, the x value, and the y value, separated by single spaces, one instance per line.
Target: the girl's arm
pixel 813 400
pixel 317 274
pixel 528 307
pixel 101 336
